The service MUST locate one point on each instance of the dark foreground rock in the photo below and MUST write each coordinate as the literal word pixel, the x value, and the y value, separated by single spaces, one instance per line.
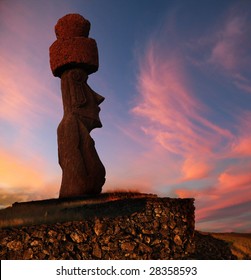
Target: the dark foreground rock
pixel 209 248
pixel 33 246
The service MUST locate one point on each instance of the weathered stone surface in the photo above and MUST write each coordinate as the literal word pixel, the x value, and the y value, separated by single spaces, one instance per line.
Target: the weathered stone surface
pixel 74 52
pixel 14 245
pixel 144 248
pixel 128 246
pixel 124 229
pixel 73 48
pixel 28 254
pixel 73 57
pixel 77 237
pixel 72 25
pixel 83 172
pixel 177 240
pixel 97 251
pixel 98 227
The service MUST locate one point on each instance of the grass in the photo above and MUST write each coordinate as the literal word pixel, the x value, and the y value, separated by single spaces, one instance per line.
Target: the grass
pixel 240 243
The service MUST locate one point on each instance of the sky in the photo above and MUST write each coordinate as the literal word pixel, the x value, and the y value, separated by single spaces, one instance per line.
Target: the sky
pixel 177 112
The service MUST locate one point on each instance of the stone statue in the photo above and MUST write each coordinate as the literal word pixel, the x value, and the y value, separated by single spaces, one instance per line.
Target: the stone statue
pixel 73 56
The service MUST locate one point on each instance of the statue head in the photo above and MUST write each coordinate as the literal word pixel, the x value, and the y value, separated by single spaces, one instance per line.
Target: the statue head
pixel 79 99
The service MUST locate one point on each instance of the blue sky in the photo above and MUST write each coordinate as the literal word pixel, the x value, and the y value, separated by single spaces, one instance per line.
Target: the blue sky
pixel 176 119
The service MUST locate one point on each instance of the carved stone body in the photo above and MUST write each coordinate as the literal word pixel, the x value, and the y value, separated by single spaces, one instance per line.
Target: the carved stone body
pixel 72 58
pixel 83 172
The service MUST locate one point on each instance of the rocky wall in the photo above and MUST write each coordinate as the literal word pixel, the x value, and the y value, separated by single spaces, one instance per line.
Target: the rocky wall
pixel 138 228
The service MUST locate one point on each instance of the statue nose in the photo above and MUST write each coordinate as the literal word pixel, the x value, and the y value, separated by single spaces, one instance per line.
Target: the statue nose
pixel 99 98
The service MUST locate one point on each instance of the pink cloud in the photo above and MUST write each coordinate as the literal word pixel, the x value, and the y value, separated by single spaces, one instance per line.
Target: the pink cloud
pixel 226 48
pixel 241 147
pixel 174 117
pixel 195 169
pixel 246 87
pixel 26 83
pixel 231 180
pixel 227 200
pixel 27 97
pixel 230 48
pixel 23 94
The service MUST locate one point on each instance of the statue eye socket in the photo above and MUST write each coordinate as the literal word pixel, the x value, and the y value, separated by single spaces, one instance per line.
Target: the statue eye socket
pixel 80 95
pixel 76 76
pixel 79 76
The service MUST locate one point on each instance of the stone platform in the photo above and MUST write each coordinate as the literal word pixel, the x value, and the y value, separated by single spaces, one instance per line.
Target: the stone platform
pixel 67 209
pixel 108 226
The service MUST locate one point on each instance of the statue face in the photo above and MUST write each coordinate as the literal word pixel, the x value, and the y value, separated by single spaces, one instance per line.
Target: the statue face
pixel 80 99
pixel 90 111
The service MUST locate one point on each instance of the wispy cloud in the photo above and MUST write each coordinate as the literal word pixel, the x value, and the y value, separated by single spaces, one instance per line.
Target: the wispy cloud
pixel 174 117
pixel 242 146
pixel 24 95
pixel 226 48
pixel 225 51
pixel 227 201
pixel 29 95
pixel 26 83
pixel 169 109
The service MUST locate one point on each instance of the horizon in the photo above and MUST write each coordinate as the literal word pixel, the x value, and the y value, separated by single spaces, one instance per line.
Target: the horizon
pixel 176 116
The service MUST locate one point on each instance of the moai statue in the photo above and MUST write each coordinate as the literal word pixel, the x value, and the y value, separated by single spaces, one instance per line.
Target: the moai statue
pixel 73 56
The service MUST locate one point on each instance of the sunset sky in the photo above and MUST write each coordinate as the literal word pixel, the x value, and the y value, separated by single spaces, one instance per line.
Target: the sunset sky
pixel 176 76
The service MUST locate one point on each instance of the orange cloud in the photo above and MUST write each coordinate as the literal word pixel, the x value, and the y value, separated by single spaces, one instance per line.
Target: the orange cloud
pixel 16 173
pixel 195 169
pixel 22 180
pixel 236 182
pixel 27 98
pixel 243 147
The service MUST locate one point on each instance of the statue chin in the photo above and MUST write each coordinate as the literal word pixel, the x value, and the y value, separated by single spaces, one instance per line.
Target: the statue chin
pixel 90 123
pixel 93 124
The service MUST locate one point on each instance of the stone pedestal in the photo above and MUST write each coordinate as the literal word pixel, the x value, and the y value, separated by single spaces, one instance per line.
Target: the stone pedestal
pixel 112 226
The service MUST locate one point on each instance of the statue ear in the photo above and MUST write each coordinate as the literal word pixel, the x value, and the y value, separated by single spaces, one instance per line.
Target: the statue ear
pixel 78 81
pixel 80 95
